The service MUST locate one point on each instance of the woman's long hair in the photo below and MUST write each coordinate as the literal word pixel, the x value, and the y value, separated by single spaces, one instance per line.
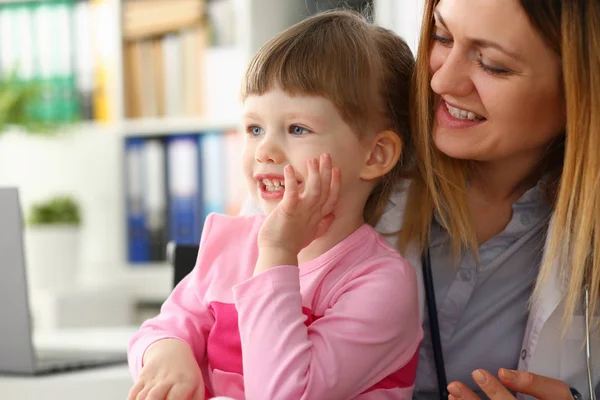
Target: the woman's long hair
pixel 572 29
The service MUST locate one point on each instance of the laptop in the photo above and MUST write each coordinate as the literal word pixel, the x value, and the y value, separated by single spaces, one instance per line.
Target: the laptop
pixel 17 352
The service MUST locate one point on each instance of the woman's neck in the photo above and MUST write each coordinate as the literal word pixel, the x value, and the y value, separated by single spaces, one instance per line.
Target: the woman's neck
pixel 494 187
pixel 505 181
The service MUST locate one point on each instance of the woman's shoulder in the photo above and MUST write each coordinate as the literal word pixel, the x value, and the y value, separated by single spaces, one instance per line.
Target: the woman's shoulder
pixel 391 219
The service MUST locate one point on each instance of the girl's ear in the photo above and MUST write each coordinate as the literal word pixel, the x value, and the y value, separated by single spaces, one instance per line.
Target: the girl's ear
pixel 385 152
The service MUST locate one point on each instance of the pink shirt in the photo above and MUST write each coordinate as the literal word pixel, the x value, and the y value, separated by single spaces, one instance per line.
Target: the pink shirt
pixel 345 325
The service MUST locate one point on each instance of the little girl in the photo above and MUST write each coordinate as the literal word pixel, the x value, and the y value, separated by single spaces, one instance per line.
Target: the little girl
pixel 306 301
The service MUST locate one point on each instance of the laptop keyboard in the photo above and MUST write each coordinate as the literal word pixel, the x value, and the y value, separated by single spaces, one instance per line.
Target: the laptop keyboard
pixel 70 360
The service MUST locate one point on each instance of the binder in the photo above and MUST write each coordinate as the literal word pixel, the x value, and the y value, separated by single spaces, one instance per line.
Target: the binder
pixel 3 37
pixel 105 47
pixel 84 58
pixel 46 108
pixel 65 87
pixel 23 21
pixel 148 92
pixel 22 17
pixel 138 240
pixel 132 72
pixel 173 75
pixel 211 147
pixel 155 197
pixel 184 189
pixel 9 55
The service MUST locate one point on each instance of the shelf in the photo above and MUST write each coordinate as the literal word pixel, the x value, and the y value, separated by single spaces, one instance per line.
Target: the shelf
pixel 148 127
pixel 14 1
pixel 169 126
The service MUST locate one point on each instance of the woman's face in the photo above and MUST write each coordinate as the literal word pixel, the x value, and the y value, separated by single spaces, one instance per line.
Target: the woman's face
pixel 497 82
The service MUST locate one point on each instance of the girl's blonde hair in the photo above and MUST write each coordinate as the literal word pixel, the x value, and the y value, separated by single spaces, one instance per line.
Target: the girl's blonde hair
pixel 363 69
pixel 572 28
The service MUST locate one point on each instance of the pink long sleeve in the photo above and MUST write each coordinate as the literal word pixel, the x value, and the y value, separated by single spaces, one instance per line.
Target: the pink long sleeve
pixel 184 315
pixel 345 325
pixel 370 330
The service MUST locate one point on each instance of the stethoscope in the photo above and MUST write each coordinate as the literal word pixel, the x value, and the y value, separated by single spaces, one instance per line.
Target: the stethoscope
pixel 436 341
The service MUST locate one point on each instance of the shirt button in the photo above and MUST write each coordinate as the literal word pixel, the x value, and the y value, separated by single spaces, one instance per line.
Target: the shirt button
pixel 523 354
pixel 465 275
pixel 525 219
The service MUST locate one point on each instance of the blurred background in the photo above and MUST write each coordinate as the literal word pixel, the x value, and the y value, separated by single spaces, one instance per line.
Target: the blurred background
pixel 119 127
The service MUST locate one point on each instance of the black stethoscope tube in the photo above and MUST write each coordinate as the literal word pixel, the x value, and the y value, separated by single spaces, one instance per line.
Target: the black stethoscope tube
pixel 434 327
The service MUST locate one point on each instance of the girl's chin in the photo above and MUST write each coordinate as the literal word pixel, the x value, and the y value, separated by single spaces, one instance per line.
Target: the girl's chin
pixel 267 206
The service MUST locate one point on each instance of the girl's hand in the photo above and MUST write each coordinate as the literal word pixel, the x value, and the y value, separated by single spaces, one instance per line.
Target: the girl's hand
pixel 300 218
pixel 540 387
pixel 170 372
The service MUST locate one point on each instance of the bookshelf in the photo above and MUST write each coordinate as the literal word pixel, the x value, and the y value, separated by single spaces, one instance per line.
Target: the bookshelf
pixel 256 21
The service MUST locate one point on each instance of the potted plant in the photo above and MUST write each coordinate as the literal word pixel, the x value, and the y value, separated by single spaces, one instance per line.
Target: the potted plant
pixel 52 234
pixel 52 243
pixel 18 102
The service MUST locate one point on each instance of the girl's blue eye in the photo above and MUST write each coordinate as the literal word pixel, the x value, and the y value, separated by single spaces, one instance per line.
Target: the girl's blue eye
pixel 298 130
pixel 254 130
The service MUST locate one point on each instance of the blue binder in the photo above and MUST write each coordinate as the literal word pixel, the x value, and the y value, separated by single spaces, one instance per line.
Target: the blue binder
pixel 211 147
pixel 138 243
pixel 184 189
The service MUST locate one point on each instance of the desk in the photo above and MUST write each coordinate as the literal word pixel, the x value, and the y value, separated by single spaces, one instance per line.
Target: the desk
pixel 105 383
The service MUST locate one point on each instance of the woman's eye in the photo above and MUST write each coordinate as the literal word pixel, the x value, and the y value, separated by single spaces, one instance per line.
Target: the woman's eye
pixel 439 37
pixel 254 130
pixel 493 70
pixel 298 130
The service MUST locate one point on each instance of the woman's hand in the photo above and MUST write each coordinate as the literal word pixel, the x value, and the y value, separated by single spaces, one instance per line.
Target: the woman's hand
pixel 300 217
pixel 170 372
pixel 538 386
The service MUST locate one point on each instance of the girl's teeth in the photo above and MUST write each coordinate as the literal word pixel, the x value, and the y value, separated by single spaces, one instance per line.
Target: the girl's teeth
pixel 273 185
pixel 273 188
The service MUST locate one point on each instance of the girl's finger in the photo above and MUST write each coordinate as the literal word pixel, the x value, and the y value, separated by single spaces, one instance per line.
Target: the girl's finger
pixel 290 194
pixel 334 192
pixel 325 173
pixel 200 394
pixel 135 390
pixel 143 394
pixel 158 392
pixel 324 225
pixel 180 392
pixel 312 190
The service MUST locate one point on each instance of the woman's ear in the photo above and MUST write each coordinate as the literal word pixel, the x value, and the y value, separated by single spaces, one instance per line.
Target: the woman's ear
pixel 385 151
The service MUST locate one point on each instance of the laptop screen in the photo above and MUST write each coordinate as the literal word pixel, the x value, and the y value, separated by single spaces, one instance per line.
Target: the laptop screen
pixel 16 349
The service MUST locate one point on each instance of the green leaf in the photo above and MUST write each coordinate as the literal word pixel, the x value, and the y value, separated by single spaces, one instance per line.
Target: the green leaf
pixel 57 210
pixel 16 100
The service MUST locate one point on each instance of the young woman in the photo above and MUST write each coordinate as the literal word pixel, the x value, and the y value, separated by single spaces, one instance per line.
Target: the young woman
pixel 506 198
pixel 506 201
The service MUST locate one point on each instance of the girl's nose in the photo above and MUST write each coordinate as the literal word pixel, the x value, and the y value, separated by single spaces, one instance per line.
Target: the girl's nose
pixel 270 150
